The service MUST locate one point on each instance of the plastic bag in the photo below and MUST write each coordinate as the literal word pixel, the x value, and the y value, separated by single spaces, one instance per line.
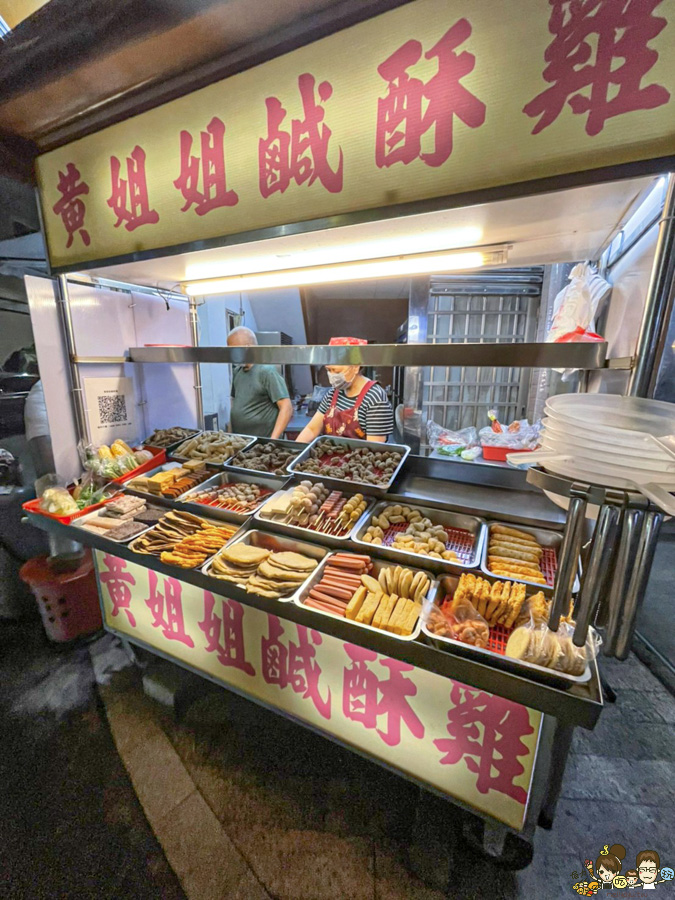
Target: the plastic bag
pixel 58 502
pixel 450 443
pixel 576 307
pixel 458 620
pixel 524 437
pixel 535 643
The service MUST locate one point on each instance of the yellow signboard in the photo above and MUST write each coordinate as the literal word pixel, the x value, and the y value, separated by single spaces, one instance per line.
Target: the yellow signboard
pixel 473 746
pixel 434 98
pixel 15 11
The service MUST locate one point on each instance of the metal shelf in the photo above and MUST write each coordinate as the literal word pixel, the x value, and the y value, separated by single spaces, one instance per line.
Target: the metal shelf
pixel 525 355
pixel 580 705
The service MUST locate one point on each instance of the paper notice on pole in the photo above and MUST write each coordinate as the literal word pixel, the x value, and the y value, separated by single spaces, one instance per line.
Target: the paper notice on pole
pixel 111 409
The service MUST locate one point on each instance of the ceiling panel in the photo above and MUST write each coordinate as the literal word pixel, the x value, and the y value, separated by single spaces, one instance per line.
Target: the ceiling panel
pixel 548 228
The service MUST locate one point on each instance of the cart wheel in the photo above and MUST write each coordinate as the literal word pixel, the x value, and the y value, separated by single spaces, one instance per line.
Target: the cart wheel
pixel 500 846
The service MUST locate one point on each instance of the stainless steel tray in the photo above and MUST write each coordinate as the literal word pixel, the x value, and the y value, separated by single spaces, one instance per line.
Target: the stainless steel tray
pixel 272 542
pixel 330 540
pixel 214 465
pixel 209 521
pixel 378 564
pixel 98 512
pixel 157 499
pixel 447 584
pixel 175 444
pixel 341 483
pixel 543 536
pixel 272 482
pixel 282 444
pixel 473 524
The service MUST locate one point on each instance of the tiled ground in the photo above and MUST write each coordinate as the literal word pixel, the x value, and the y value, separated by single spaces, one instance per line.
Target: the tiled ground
pixel 310 821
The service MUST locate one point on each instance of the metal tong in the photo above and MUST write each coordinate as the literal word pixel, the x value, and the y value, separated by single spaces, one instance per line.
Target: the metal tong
pixel 595 577
pixel 569 554
pixel 639 536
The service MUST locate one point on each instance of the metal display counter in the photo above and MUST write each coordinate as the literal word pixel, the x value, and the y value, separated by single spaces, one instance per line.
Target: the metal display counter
pixel 577 706
pixel 548 713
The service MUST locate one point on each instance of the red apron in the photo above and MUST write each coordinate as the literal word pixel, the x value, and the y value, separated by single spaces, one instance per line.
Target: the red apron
pixel 345 422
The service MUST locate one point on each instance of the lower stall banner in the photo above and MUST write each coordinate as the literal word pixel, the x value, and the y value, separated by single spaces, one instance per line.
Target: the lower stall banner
pixel 473 746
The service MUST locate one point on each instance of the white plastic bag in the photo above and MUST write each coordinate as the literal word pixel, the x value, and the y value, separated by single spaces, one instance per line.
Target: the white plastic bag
pixel 450 443
pixel 576 307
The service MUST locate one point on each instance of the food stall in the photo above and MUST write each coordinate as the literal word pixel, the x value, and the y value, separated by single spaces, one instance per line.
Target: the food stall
pixel 413 609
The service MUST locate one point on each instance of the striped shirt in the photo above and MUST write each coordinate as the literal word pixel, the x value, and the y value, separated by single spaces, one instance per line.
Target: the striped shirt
pixel 375 414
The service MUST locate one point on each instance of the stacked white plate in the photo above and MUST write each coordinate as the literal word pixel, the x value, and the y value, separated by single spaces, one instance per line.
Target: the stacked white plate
pixel 611 441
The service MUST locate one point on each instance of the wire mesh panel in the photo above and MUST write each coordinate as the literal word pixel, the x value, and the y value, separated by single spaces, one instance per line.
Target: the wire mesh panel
pixel 460 396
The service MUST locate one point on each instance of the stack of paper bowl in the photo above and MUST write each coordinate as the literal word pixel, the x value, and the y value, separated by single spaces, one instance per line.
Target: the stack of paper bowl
pixel 611 441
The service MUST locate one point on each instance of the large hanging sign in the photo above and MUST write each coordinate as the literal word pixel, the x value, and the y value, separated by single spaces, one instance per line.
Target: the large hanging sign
pixel 473 746
pixel 434 98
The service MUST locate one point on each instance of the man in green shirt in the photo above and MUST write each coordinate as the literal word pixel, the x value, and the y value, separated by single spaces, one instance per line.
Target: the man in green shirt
pixel 260 402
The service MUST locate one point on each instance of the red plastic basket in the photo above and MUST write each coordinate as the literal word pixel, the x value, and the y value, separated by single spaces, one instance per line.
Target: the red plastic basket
pixel 68 601
pixel 158 459
pixel 459 539
pixel 498 454
pixel 499 636
pixel 33 506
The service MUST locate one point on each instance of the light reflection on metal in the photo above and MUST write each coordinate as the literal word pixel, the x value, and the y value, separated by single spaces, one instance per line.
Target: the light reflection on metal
pixel 578 356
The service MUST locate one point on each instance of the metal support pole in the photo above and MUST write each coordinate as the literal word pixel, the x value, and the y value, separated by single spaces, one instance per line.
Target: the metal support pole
pixel 76 390
pixel 658 305
pixel 413 376
pixel 194 333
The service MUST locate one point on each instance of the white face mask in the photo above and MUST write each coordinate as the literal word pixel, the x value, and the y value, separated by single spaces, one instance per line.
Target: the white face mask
pixel 338 380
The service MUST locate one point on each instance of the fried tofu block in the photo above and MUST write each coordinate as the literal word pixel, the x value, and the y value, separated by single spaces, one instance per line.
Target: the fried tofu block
pixel 377 618
pixel 403 616
pixel 355 604
pixel 392 600
pixel 401 604
pixel 368 609
pixel 411 621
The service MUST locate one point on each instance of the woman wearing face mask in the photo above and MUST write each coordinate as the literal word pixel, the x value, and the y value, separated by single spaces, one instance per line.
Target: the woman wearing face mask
pixel 355 408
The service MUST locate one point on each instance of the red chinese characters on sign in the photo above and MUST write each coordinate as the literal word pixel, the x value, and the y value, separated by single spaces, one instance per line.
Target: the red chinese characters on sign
pixel 225 632
pixel 129 196
pixel 597 60
pixel 119 583
pixel 302 155
pixel 486 732
pixel 70 207
pixel 211 167
pixel 365 697
pixel 167 609
pixel 294 665
pixel 412 108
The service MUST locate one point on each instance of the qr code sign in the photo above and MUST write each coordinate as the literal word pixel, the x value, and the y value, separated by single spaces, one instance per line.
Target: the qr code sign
pixel 112 410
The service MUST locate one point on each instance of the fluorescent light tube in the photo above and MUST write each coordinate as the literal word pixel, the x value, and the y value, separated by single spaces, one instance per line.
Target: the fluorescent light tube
pixel 388 267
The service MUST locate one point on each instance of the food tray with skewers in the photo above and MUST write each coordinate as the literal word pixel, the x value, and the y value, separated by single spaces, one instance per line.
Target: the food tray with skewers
pixel 314 508
pixel 477 617
pixel 369 592
pixel 439 539
pixel 230 496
